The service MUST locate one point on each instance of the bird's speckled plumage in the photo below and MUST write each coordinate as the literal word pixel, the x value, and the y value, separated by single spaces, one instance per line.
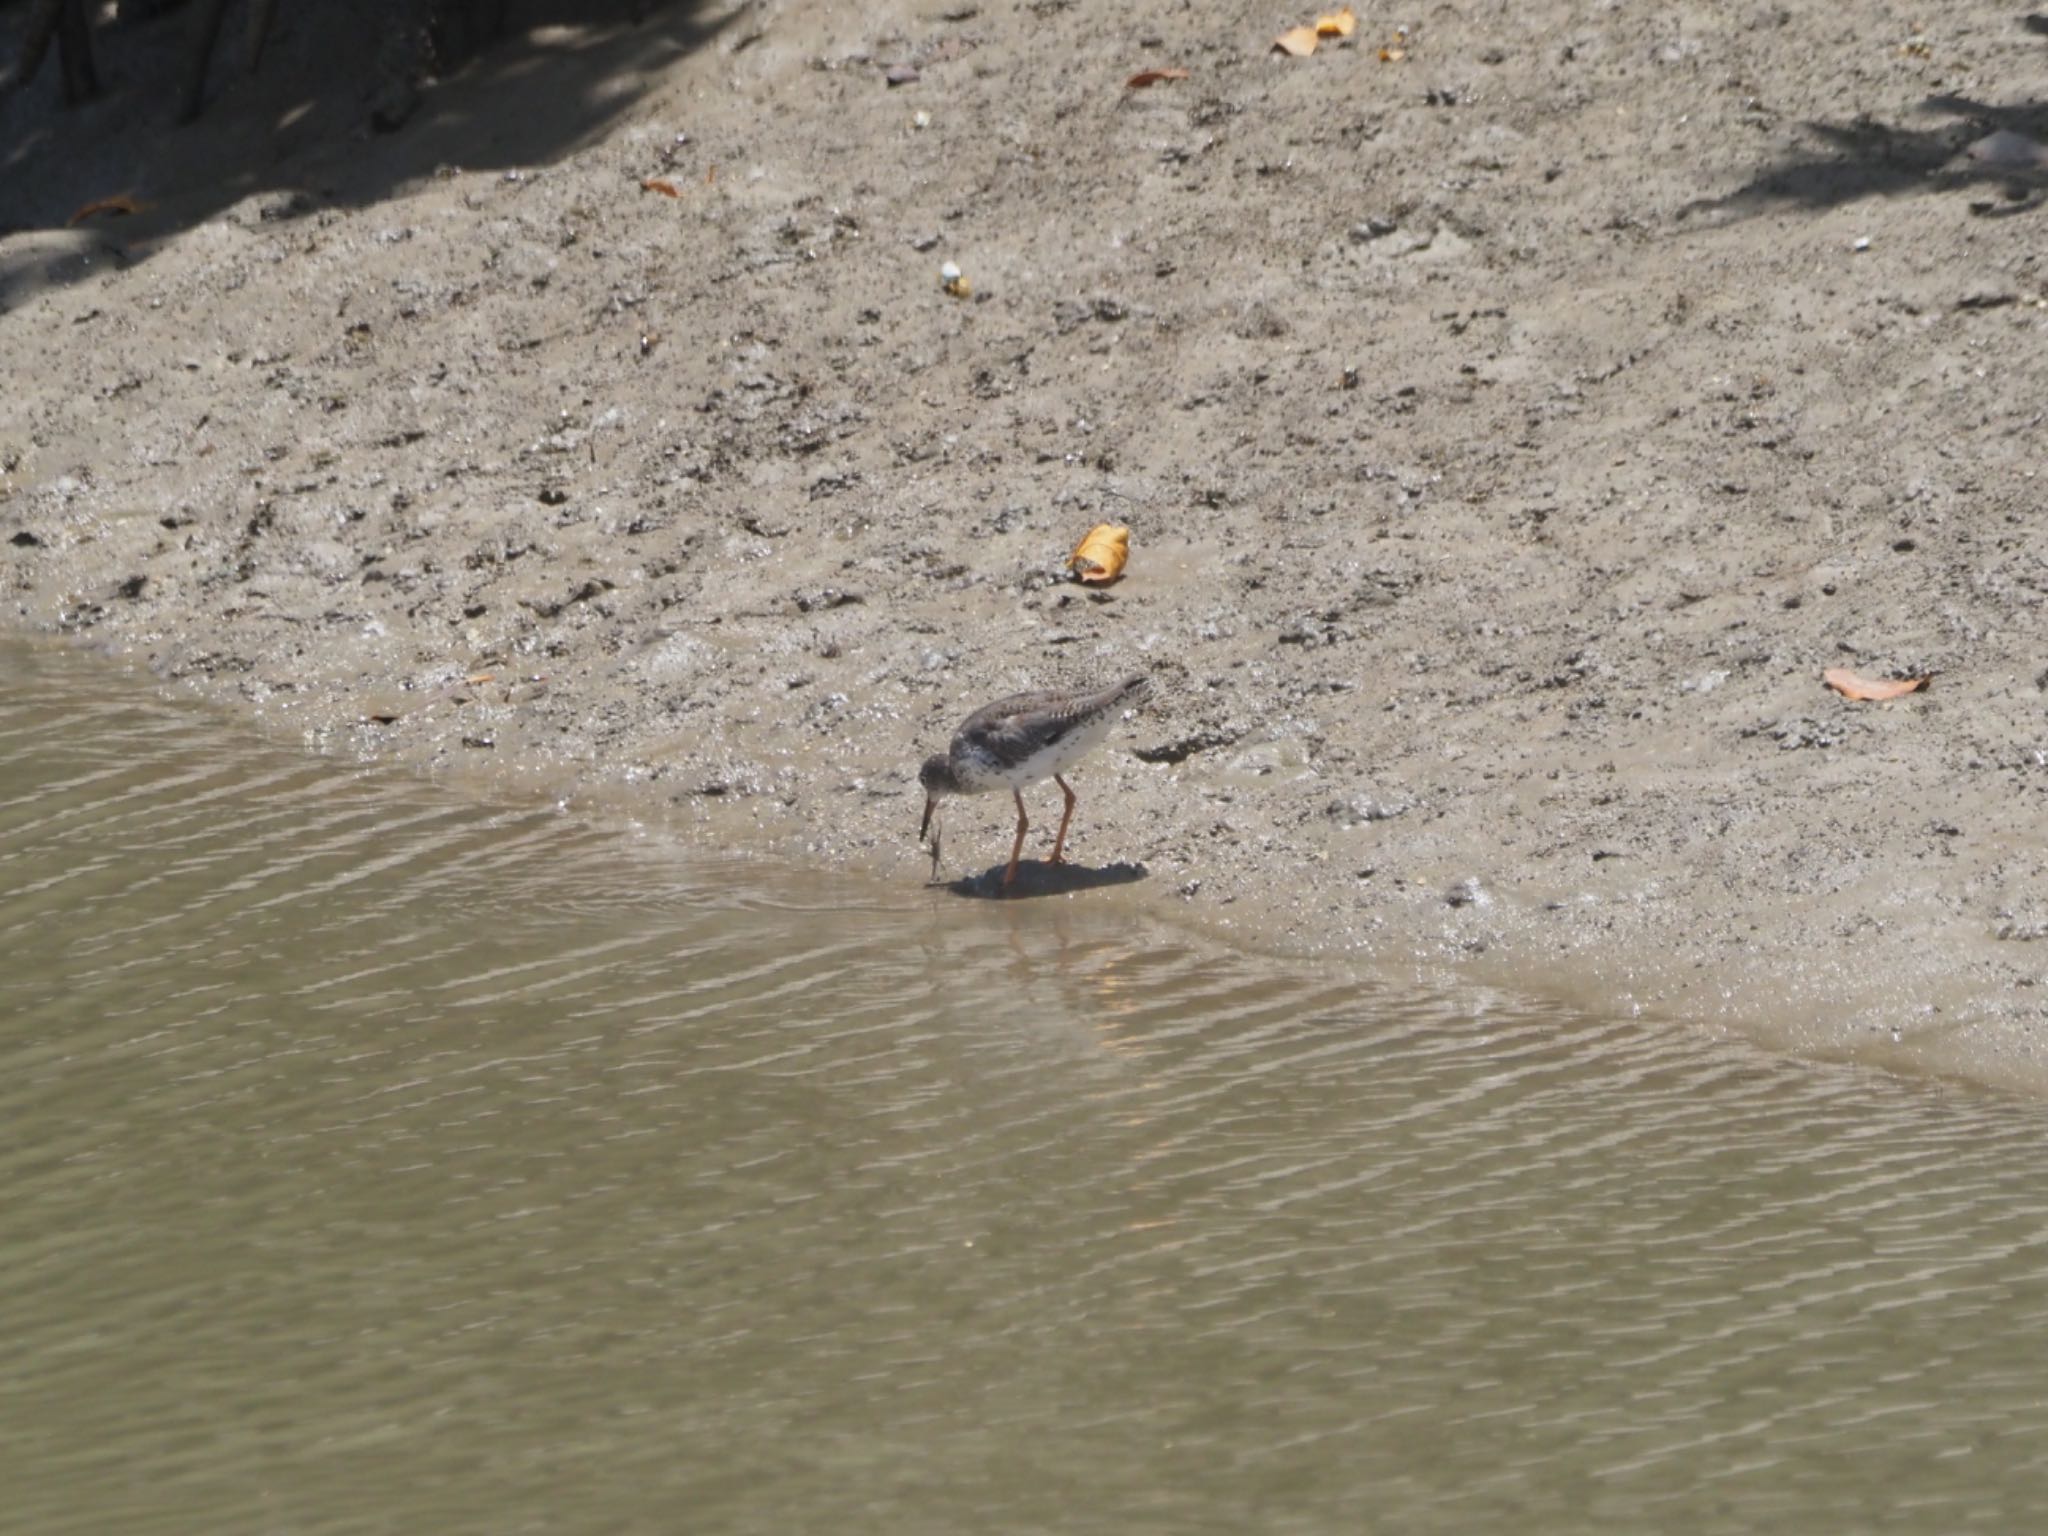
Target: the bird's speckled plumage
pixel 1020 740
pixel 1031 736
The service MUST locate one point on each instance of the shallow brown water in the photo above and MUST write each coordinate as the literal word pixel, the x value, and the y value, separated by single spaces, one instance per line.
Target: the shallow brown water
pixel 376 1161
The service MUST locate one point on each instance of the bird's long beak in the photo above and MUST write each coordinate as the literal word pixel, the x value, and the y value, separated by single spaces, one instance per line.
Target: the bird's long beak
pixel 931 807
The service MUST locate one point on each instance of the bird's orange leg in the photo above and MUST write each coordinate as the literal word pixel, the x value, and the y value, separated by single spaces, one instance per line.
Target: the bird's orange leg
pixel 1016 848
pixel 1059 843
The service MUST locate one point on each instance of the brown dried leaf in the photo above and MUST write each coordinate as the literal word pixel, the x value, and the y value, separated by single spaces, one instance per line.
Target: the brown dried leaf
pixel 120 202
pixel 659 184
pixel 1145 77
pixel 1101 554
pixel 1850 686
pixel 1298 41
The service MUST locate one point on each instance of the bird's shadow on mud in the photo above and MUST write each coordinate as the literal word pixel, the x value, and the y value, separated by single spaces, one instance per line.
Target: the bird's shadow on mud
pixel 1042 879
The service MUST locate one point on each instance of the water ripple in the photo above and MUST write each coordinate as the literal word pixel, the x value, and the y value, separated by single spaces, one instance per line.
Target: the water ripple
pixel 380 1162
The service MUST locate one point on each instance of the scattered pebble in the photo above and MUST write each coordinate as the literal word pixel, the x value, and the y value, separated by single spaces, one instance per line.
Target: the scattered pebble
pixel 1364 808
pixel 2004 150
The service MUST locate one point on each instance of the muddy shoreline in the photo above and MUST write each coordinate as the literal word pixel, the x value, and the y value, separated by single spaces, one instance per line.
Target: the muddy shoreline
pixel 1510 435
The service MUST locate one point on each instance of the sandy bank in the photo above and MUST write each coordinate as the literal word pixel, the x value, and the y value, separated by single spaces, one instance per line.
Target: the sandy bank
pixel 1510 434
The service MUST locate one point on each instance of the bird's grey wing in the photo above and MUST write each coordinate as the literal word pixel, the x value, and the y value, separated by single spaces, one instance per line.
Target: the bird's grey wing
pixel 1010 730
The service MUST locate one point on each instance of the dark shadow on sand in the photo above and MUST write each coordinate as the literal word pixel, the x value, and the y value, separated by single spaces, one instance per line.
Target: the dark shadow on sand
pixel 1042 879
pixel 301 132
pixel 1866 158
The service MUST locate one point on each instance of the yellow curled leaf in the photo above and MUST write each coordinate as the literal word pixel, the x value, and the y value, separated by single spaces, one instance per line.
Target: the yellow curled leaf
pixel 1850 686
pixel 1101 554
pixel 1337 24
